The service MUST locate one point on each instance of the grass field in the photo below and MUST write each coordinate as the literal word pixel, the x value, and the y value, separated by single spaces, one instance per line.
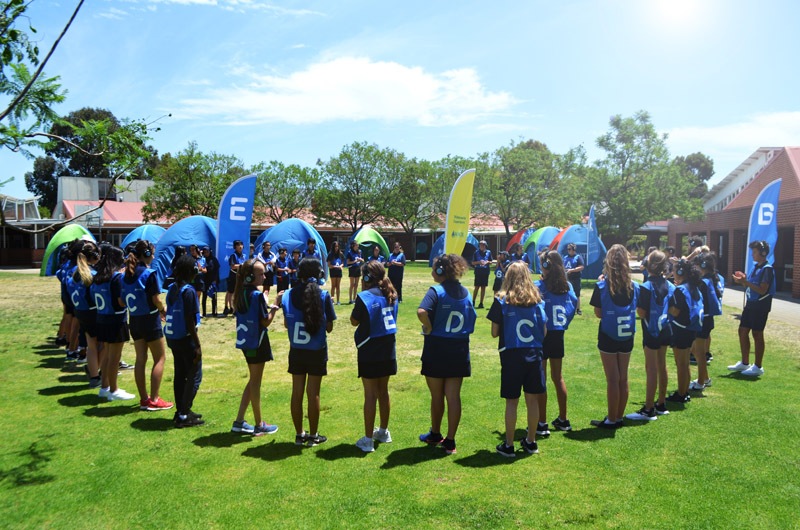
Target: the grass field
pixel 730 459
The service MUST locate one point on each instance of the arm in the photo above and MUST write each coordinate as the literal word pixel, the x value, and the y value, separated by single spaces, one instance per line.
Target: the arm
pixel 495 330
pixel 641 313
pixel 423 317
pixel 157 302
pixel 598 312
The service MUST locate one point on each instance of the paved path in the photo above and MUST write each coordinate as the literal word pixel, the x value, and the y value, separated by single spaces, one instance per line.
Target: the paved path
pixel 20 270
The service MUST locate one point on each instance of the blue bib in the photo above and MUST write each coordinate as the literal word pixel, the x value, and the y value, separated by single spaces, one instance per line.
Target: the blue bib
pixel 695 310
pixel 559 308
pixel 79 294
pixel 454 319
pixel 379 259
pixel 571 262
pixel 487 256
pixel 134 295
pixel 399 258
pixel 175 327
pixel 298 336
pixel 382 316
pixel 523 327
pixel 498 272
pixel 248 334
pixel 658 317
pixel 618 322
pixel 755 277
pixel 101 293
pixel 721 284
pixel 282 264
pixel 714 303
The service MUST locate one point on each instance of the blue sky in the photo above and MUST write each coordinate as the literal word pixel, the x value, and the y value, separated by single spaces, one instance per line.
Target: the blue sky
pixel 295 81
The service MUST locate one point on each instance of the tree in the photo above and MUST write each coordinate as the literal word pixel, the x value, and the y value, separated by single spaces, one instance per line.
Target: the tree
pixel 636 182
pixel 697 166
pixel 411 205
pixel 43 180
pixel 353 189
pixel 525 184
pixel 190 183
pixel 283 191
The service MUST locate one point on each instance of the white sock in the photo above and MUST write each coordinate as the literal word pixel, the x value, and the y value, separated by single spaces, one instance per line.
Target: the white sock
pixel 608 422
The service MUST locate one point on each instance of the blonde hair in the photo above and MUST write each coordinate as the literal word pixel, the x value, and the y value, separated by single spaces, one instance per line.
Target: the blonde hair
pixel 518 287
pixel 617 271
pixel 656 262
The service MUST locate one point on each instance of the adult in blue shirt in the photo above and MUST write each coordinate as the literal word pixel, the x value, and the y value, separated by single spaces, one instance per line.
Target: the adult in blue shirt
pixel 482 261
pixel 376 255
pixel 573 263
pixel 396 266
pixel 354 262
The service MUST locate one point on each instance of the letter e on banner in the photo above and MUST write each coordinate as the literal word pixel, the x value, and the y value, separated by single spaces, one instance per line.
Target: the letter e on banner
pixel 237 211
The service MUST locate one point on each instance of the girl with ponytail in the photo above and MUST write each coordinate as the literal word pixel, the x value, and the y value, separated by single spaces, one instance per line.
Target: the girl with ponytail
pixel 686 312
pixel 140 291
pixel 308 315
pixel 78 285
pixel 375 316
pixel 712 306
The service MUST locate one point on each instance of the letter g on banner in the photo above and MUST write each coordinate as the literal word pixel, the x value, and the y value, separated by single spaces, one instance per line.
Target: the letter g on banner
pixel 766 212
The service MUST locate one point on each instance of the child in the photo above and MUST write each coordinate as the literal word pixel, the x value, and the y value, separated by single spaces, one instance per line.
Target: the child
pixel 283 264
pixel 760 285
pixel 235 261
pixel 335 268
pixel 652 308
pixel 500 270
pixel 482 261
pixel 518 320
pixel 112 329
pixel 140 291
pixel 182 320
pixel 707 263
pixel 376 255
pixel 559 303
pixel 397 265
pixel 294 266
pixel 78 287
pixel 199 278
pixel 354 261
pixel 375 315
pixel 308 315
pixel 253 317
pixel 573 263
pixel 448 319
pixel 686 312
pixel 267 257
pixel 614 301
pixel 311 250
pixel 518 255
pixel 211 281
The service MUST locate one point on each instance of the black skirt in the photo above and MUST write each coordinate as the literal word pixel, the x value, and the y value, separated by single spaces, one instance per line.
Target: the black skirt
pixel 377 369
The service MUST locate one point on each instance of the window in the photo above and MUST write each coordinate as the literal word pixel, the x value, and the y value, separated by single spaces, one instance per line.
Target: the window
pixel 103 187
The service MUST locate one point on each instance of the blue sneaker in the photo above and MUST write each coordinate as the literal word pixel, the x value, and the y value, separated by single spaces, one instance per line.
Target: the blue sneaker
pixel 242 427
pixel 265 428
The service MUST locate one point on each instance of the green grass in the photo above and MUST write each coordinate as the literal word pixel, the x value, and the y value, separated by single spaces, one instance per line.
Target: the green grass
pixel 69 460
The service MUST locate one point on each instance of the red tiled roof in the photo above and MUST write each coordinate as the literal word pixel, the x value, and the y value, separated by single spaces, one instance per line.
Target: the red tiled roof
pixel 118 213
pixel 784 165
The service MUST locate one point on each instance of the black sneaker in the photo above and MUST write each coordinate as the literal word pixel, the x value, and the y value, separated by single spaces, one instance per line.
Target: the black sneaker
pixel 531 447
pixel 433 438
pixel 677 398
pixel 692 360
pixel 560 425
pixel 542 429
pixel 603 424
pixel 578 312
pixel 189 421
pixel 313 440
pixel 687 398
pixel 504 450
pixel 709 357
pixel 480 306
pixel 661 409
pixel 449 446
pixel 643 414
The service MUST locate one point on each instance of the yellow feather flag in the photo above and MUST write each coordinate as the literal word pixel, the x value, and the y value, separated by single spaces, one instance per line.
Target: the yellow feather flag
pixel 458 212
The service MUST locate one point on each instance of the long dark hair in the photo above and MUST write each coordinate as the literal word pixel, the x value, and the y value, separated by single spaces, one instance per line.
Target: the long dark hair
pixel 185 269
pixel 309 272
pixel 691 275
pixel 374 275
pixel 556 279
pixel 143 249
pixel 335 252
pixel 111 261
pixel 240 301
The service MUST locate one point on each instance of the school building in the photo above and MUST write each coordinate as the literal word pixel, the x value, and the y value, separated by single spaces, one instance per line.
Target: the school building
pixel 728 205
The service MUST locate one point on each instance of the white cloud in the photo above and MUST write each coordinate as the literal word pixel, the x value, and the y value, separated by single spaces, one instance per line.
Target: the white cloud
pixel 113 13
pixel 351 88
pixel 297 46
pixel 236 5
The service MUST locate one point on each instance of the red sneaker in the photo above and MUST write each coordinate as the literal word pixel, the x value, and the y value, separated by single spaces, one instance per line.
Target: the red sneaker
pixel 159 404
pixel 144 403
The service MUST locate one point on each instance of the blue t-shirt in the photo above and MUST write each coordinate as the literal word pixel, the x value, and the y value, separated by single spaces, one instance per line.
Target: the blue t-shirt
pixel 524 258
pixel 377 348
pixel 573 262
pixel 378 258
pixel 351 256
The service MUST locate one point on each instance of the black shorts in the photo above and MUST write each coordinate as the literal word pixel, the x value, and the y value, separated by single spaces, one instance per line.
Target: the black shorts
pixel 354 272
pixel 269 279
pixel 377 369
pixel 113 332
pixel 682 338
pixel 481 277
pixel 259 355
pixel 658 342
pixel 575 280
pixel 230 283
pixel 311 362
pixel 753 319
pixel 553 344
pixel 146 327
pixel 88 321
pixel 708 325
pixel 446 370
pixel 520 372
pixel 335 273
pixel 498 283
pixel 608 345
pixel 69 309
pixel 283 284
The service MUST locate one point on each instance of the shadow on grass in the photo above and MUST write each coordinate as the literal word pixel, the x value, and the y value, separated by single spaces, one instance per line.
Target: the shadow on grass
pixel 222 439
pixel 51 362
pixel 83 400
pixel 153 424
pixel 110 411
pixel 487 458
pixel 413 455
pixel 273 451
pixel 30 473
pixel 739 377
pixel 73 378
pixel 50 350
pixel 340 451
pixel 60 389
pixel 590 434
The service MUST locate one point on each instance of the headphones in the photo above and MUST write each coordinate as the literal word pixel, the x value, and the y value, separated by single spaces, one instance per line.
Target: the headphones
pixel 762 247
pixel 439 269
pixel 545 261
pixel 147 253
pixel 249 278
pixel 681 270
pixel 367 277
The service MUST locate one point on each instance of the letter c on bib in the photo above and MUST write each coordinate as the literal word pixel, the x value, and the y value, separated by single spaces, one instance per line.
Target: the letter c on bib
pixel 520 336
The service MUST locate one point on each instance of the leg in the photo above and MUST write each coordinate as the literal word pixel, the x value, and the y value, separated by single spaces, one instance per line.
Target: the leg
pixel 158 349
pixel 194 378
pixel 370 400
pixel 611 368
pixel 180 378
pixel 561 387
pixel 256 372
pixel 74 329
pixel 312 391
pixel 475 296
pixel 298 389
pixel 663 375
pixel 92 356
pixel 623 359
pixel 744 344
pixel 140 346
pixel 532 404
pixel 214 304
pixel 452 391
pixel 483 293
pixel 699 348
pixel 758 339
pixel 384 402
pixel 244 402
pixel 511 421
pixel 651 369
pixel 682 365
pixel 436 386
pixel 112 363
pixel 205 297
pixel 541 398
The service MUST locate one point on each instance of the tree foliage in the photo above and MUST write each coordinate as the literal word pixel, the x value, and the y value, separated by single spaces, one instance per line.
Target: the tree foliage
pixel 697 166
pixel 636 182
pixel 412 202
pixel 283 191
pixel 189 183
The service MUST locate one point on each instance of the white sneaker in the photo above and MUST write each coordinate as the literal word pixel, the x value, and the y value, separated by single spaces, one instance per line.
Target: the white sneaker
pixel 694 385
pixel 365 444
pixel 104 392
pixel 753 371
pixel 708 382
pixel 383 438
pixel 120 395
pixel 738 367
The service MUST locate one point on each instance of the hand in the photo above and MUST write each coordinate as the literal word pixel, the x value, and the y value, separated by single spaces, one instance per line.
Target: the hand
pixel 198 355
pixel 426 330
pixel 278 298
pixel 601 278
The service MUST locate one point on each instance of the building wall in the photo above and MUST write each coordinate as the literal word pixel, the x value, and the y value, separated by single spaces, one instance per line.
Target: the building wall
pixel 723 193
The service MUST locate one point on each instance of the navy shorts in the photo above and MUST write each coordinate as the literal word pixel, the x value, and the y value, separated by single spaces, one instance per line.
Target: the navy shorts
pixel 753 319
pixel 575 281
pixel 112 332
pixel 259 355
pixel 335 273
pixel 553 345
pixel 682 339
pixel 658 342
pixel 377 369
pixel 354 272
pixel 441 370
pixel 481 277
pixel 521 370
pixel 88 321
pixel 311 362
pixel 146 327
pixel 708 325
pixel 608 345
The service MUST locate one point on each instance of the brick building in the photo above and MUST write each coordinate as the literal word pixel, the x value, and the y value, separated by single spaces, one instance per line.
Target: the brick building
pixel 725 226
